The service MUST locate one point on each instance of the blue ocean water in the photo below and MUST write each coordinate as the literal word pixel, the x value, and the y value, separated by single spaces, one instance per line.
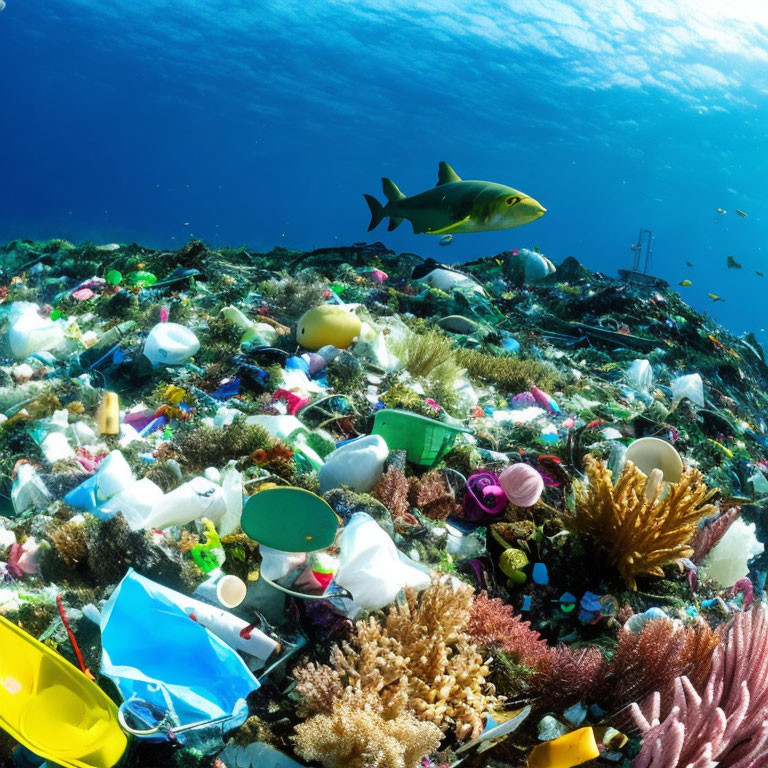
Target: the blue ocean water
pixel 262 122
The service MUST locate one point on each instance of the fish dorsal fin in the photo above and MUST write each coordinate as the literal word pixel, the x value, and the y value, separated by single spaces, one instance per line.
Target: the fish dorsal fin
pixel 446 174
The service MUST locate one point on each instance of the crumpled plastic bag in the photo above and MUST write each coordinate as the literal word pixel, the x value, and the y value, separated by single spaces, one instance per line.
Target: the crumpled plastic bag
pixel 690 386
pixel 370 565
pixel 155 653
pixel 640 376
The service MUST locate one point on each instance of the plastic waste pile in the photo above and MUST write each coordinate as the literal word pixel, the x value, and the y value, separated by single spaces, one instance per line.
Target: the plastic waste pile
pixel 356 508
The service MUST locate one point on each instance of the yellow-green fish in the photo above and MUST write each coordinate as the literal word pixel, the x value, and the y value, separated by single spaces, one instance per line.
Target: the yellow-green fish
pixel 714 297
pixel 455 206
pixel 733 264
pixel 759 274
pixel 685 283
pixel 688 264
pixel 741 213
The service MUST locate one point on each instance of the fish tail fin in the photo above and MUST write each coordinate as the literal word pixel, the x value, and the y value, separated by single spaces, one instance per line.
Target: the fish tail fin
pixel 394 223
pixel 391 191
pixel 377 211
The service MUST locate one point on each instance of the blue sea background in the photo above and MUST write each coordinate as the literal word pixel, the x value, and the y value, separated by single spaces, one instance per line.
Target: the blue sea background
pixel 262 122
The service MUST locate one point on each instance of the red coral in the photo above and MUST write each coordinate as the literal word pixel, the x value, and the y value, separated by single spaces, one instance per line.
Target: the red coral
pixel 567 675
pixel 493 624
pixel 709 534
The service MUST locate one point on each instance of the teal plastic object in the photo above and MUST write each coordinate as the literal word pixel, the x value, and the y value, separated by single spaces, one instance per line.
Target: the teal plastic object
pixel 425 440
pixel 289 519
pixel 168 666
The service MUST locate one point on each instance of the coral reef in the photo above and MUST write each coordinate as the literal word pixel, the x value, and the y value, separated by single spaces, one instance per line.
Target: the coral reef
pixel 432 496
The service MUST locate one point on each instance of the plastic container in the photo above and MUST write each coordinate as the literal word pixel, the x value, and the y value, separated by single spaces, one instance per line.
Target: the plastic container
pixel 649 453
pixel 135 503
pixel 108 416
pixel 424 440
pixel 52 708
pixel 28 332
pixel 170 344
pixel 222 589
pixel 358 464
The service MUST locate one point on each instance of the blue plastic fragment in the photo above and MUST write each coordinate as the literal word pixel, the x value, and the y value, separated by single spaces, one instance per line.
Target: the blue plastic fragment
pixel 540 574
pixel 227 389
pixel 526 603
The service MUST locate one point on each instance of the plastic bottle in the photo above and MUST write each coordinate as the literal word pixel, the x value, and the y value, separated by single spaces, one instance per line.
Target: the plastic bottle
pixel 170 344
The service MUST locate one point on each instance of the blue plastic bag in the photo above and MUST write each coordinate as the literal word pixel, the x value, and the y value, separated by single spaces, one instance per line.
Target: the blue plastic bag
pixel 164 662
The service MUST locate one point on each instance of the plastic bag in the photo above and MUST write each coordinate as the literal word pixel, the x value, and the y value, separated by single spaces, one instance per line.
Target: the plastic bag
pixel 690 386
pixel 358 464
pixel 113 476
pixel 135 503
pixel 370 566
pixel 640 376
pixel 28 332
pixel 155 654
pixel 170 344
pixel 191 501
pixel 28 490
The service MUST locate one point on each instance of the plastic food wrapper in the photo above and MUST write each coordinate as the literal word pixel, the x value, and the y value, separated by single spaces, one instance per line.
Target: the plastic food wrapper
pixel 163 661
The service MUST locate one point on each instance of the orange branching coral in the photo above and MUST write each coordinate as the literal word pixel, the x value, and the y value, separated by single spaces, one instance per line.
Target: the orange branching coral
pixel 277 452
pixel 358 734
pixel 639 534
pixel 651 659
pixel 495 625
pixel 431 495
pixel 417 659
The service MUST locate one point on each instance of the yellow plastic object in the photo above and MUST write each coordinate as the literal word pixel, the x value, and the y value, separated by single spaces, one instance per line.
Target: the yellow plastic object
pixel 109 414
pixel 572 749
pixel 327 324
pixel 52 708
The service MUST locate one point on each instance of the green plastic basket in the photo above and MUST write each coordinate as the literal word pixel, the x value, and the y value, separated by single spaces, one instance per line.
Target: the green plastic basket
pixel 425 440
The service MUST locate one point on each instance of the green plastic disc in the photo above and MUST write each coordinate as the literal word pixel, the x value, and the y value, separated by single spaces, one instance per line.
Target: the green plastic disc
pixel 289 519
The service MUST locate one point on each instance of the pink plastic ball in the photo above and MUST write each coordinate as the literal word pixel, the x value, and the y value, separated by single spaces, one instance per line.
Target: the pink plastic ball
pixel 522 484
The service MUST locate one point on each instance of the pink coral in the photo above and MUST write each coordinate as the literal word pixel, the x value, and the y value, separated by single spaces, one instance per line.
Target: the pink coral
pixel 727 726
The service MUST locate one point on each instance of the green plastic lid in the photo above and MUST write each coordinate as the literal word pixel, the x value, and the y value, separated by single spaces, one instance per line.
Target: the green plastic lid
pixel 289 519
pixel 114 277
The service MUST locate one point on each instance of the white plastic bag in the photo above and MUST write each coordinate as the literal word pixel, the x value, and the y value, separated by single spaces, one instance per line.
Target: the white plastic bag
pixel 28 332
pixel 358 464
pixel 370 566
pixel 690 386
pixel 191 501
pixel 28 490
pixel 640 376
pixel 135 502
pixel 170 344
pixel 56 448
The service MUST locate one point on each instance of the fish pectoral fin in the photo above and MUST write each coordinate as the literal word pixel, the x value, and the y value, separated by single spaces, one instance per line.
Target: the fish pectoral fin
pixel 446 174
pixel 449 228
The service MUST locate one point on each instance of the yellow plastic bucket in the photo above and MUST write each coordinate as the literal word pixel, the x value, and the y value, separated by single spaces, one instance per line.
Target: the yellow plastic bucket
pixel 52 708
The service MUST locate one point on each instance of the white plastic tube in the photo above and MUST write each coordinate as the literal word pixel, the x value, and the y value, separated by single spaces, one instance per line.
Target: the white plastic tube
pixel 191 501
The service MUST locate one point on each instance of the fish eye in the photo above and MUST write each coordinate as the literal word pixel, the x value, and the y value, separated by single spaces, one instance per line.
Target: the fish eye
pixel 512 200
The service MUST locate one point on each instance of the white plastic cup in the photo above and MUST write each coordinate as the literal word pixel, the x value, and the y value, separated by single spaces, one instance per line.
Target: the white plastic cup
pixel 222 589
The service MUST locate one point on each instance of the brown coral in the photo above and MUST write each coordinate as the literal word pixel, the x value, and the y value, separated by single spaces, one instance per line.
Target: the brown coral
pixel 432 496
pixel 495 625
pixel 639 534
pixel 417 659
pixel 651 659
pixel 358 734
pixel 709 534
pixel 567 675
pixel 392 492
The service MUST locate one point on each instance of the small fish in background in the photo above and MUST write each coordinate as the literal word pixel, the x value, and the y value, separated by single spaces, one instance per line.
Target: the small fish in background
pixel 733 264
pixel 714 297
pixel 688 264
pixel 685 283
pixel 759 274
pixel 446 239
pixel 742 214
pixel 721 210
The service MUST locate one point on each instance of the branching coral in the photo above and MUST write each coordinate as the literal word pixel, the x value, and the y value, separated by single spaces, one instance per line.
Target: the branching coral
pixel 358 734
pixel 207 446
pixel 652 658
pixel 727 725
pixel 639 535
pixel 495 625
pixel 417 659
pixel 567 675
pixel 392 492
pixel 431 495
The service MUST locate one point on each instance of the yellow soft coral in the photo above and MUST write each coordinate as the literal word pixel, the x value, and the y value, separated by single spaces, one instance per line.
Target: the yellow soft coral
pixel 639 529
